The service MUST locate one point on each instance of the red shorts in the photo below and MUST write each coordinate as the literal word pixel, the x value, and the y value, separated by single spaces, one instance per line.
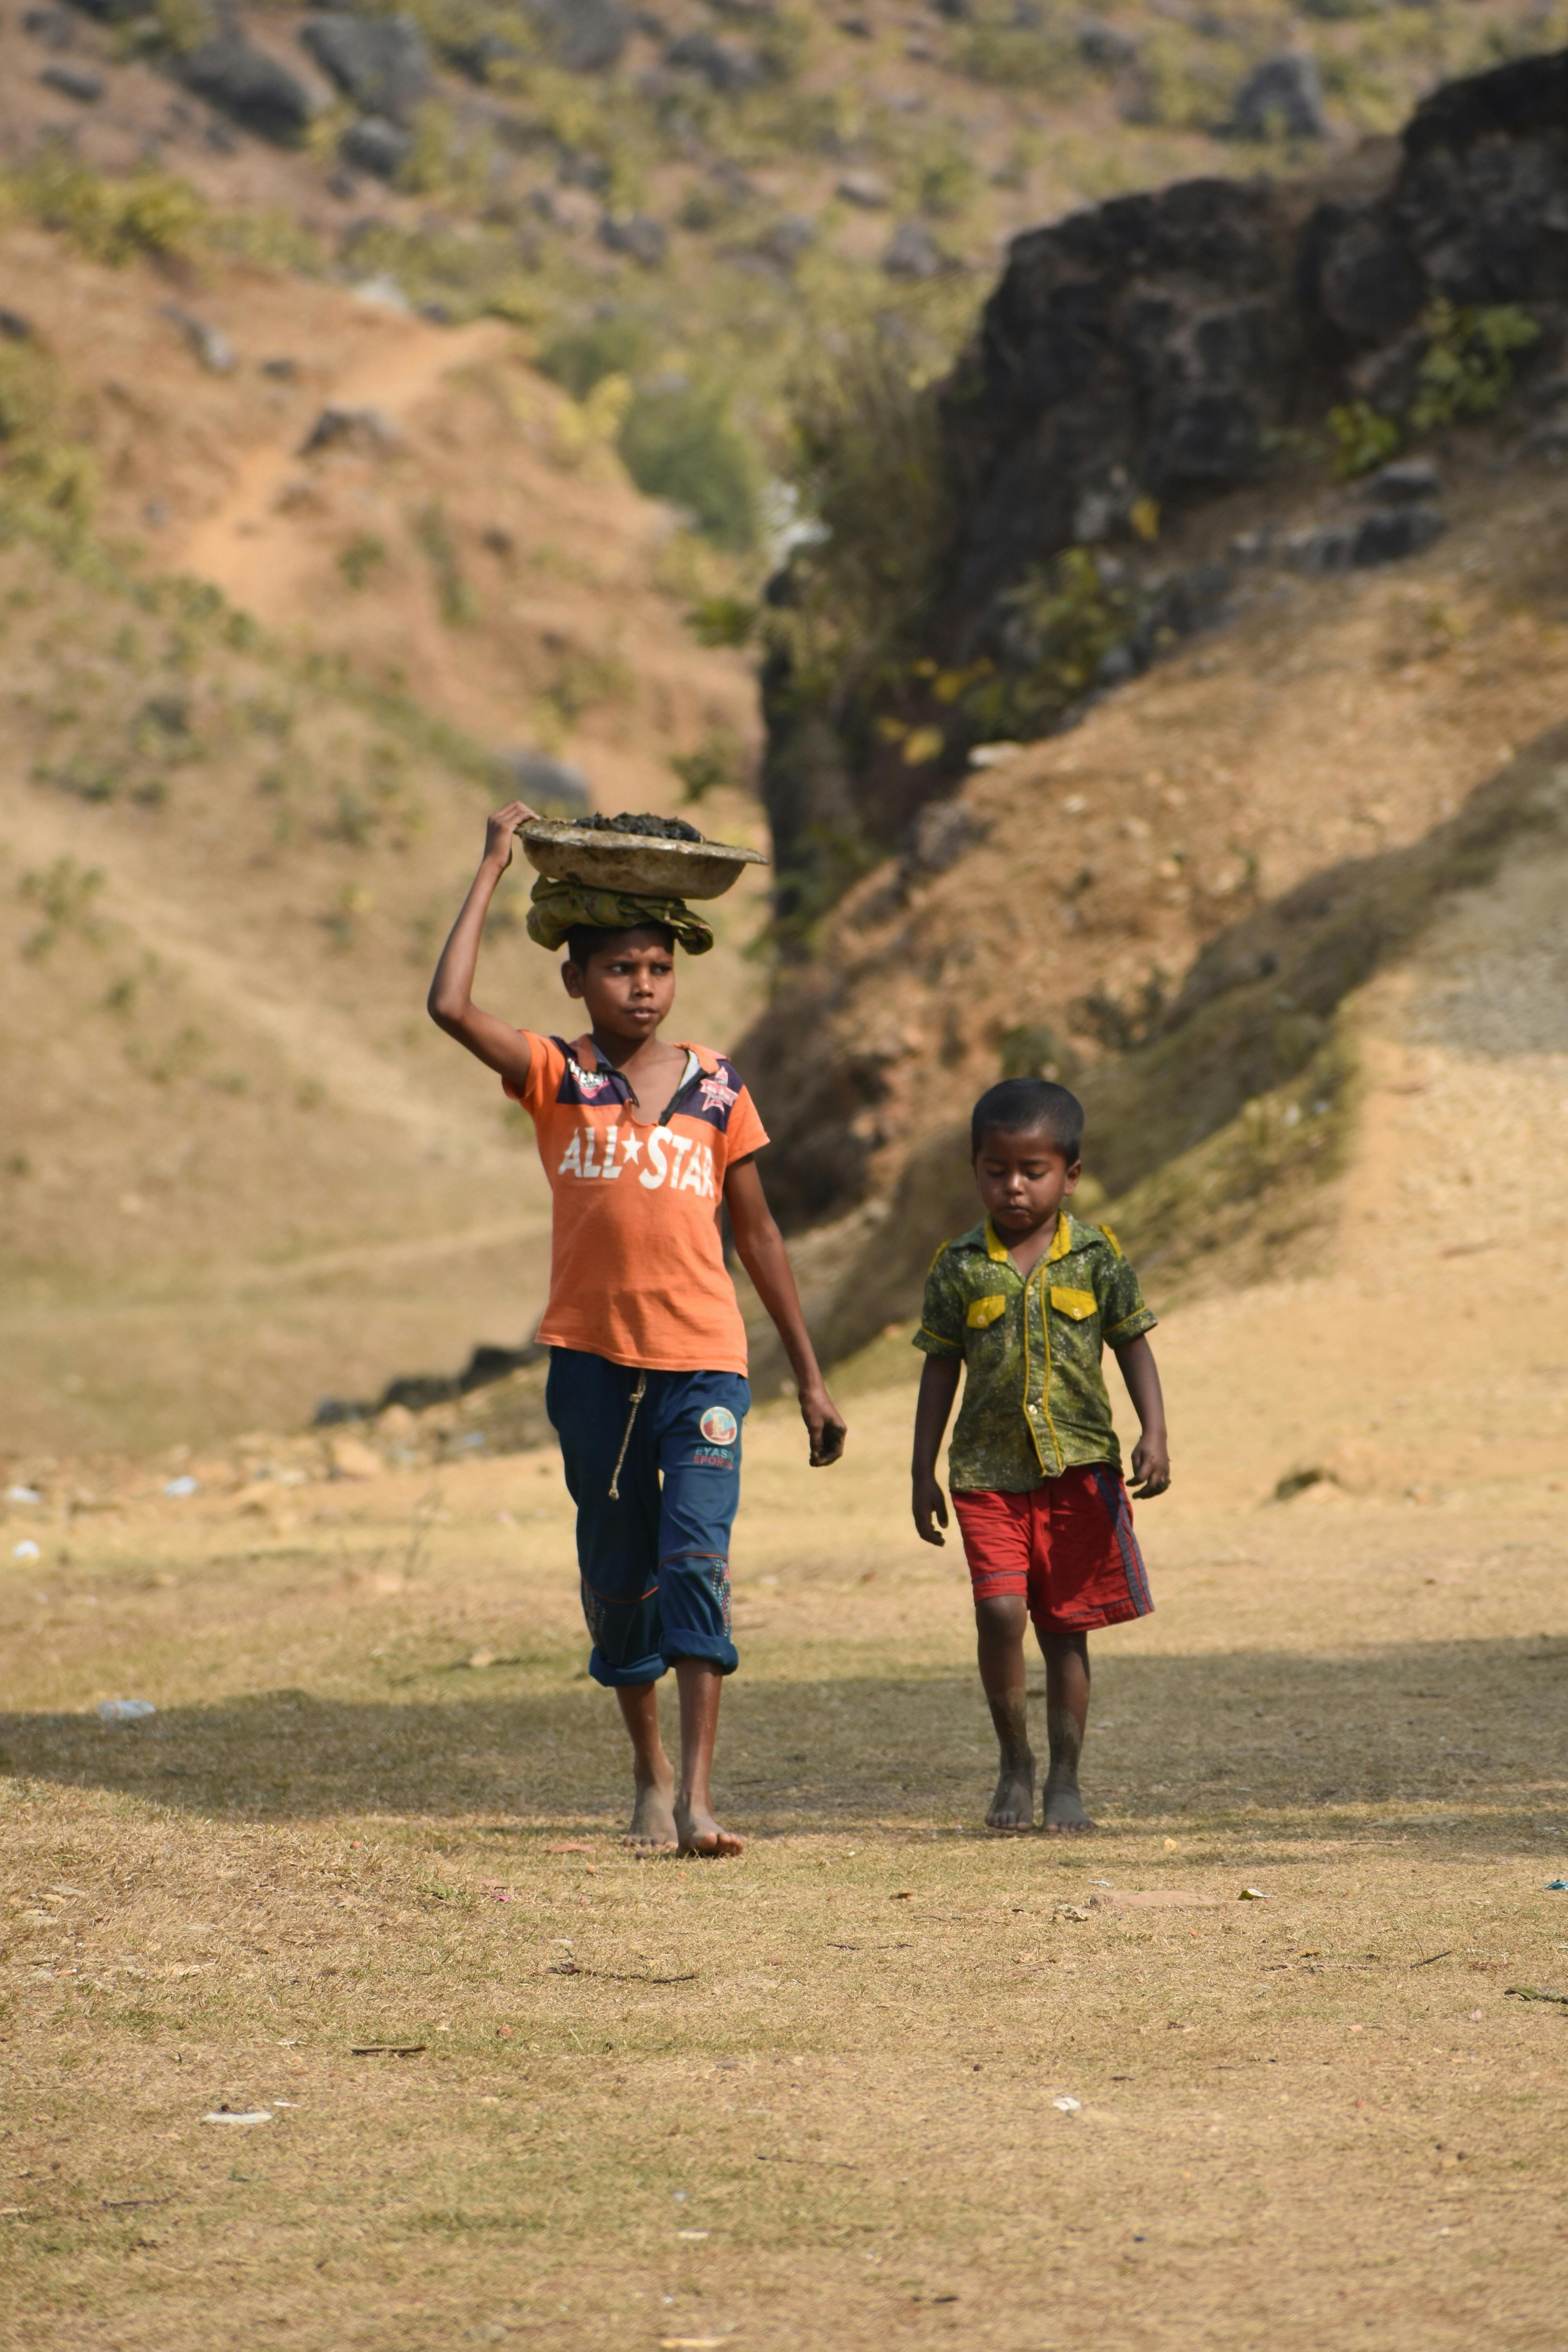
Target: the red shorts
pixel 1068 1546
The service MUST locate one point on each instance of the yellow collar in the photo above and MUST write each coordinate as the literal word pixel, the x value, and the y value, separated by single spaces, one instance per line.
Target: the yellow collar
pixel 996 1250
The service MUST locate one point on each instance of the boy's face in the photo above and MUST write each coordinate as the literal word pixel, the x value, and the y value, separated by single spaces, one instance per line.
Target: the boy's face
pixel 1023 1179
pixel 629 985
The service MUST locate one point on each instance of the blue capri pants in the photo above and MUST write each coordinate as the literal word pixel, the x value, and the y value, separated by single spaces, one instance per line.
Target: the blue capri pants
pixel 655 1563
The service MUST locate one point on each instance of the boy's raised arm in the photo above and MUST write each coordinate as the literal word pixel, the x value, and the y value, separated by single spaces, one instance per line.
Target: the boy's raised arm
pixel 450 1002
pixel 759 1247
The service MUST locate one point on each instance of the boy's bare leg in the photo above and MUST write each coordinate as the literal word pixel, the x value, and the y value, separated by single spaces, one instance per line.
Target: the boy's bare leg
pixel 699 1683
pixel 653 1808
pixel 1066 1713
pixel 999 1642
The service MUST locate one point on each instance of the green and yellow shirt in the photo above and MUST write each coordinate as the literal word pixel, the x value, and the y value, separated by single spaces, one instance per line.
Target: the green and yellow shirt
pixel 1035 1400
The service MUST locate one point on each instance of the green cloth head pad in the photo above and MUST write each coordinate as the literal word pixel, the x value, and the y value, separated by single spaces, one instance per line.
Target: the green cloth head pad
pixel 557 907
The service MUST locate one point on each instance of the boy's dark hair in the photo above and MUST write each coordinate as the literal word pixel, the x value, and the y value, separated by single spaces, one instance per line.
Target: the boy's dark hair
pixel 1018 1106
pixel 583 940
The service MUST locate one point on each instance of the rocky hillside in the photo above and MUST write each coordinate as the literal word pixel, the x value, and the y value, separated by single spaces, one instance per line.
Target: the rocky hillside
pixel 1136 363
pixel 1276 679
pixel 1174 900
pixel 687 202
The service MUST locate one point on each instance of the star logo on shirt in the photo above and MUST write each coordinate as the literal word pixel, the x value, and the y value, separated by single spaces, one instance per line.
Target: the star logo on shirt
pixel 632 1145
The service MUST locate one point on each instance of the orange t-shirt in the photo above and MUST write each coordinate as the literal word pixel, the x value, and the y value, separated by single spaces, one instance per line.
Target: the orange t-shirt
pixel 637 1262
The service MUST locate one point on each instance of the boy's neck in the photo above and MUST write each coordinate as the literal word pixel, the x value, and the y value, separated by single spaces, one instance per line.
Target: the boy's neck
pixel 619 1052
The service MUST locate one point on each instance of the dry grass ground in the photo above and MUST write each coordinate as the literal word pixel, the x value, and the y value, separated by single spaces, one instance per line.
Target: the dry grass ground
pixel 809 2098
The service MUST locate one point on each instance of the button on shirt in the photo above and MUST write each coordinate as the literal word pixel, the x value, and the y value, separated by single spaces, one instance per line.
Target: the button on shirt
pixel 1035 1400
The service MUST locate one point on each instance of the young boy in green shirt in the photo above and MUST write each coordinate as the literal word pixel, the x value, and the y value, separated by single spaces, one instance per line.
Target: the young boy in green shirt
pixel 1025 1304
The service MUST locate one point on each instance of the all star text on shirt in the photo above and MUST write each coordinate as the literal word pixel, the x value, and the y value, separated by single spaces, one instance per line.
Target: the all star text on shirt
pixel 663 1146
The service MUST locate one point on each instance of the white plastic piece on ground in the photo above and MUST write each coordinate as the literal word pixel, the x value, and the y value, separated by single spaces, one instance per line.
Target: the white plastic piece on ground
pixel 383 292
pixel 1253 1895
pixel 125 1710
pixel 994 755
pixel 179 1488
pixel 1068 2103
pixel 22 1495
pixel 251 2115
pixel 27 1549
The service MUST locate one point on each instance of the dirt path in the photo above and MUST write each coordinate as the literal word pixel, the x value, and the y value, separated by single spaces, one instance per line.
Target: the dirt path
pixel 238 546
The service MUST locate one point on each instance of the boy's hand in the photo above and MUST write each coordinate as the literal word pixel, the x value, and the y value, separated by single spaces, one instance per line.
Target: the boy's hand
pixel 825 1425
pixel 1151 1464
pixel 499 831
pixel 930 1504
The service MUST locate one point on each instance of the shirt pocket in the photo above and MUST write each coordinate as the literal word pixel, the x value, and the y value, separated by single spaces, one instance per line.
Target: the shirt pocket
pixel 983 1312
pixel 1077 1305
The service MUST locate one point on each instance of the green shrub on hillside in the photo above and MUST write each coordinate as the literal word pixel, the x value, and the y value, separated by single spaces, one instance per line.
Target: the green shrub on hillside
pixel 65 894
pixel 719 759
pixel 448 158
pixel 997 48
pixel 1465 371
pixel 47 482
pixel 363 558
pixel 948 182
pixel 1468 364
pixel 455 599
pixel 679 444
pixel 614 343
pixel 1066 618
pixel 868 468
pixel 1362 438
pixel 113 221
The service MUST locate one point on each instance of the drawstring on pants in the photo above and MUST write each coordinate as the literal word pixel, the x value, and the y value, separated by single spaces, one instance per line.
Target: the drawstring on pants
pixel 637 1395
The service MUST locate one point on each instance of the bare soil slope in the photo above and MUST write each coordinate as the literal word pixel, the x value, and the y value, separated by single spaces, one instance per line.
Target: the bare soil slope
pixel 241 1169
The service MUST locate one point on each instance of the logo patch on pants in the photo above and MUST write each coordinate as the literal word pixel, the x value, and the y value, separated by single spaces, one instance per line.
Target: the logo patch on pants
pixel 718 1425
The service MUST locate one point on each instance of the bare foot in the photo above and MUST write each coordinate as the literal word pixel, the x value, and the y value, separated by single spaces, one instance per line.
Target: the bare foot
pixel 701 1834
pixel 653 1817
pixel 1012 1806
pixel 1063 1814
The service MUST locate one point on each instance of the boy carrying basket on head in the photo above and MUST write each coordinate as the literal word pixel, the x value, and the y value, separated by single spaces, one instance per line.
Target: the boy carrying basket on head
pixel 642 1142
pixel 1023 1305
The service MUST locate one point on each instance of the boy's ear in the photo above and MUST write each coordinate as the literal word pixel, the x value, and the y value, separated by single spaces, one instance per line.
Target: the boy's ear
pixel 1074 1173
pixel 571 978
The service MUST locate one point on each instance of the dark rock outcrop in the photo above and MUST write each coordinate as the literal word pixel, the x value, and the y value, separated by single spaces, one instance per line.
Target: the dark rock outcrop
pixel 1151 342
pixel 381 62
pixel 724 66
pixel 78 82
pixel 373 144
pixel 1165 347
pixel 248 86
pixel 638 235
pixel 584 36
pixel 1284 94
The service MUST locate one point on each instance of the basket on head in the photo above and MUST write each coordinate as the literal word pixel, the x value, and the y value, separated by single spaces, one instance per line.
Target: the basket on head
pixel 645 864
